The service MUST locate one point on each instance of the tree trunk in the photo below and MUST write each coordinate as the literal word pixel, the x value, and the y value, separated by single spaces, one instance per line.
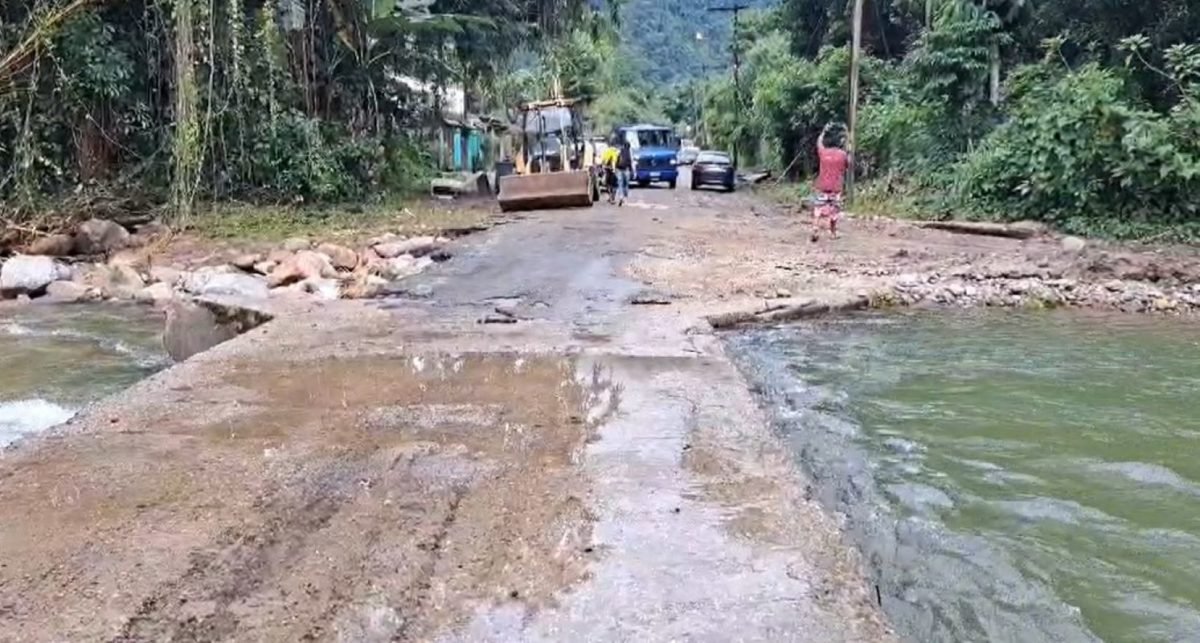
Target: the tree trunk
pixel 186 144
pixel 994 76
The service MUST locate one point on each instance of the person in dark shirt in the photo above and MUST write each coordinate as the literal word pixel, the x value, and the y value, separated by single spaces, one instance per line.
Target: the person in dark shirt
pixel 624 168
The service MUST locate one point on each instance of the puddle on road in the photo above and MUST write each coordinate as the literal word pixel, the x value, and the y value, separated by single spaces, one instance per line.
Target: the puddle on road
pixel 416 478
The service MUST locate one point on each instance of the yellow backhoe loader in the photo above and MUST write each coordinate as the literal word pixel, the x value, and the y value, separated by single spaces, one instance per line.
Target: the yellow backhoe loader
pixel 555 164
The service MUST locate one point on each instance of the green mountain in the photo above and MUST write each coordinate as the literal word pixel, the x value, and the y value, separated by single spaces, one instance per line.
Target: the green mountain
pixel 673 41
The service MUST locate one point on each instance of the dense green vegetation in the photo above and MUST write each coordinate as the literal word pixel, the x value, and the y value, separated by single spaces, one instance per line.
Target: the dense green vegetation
pixel 284 101
pixel 1082 113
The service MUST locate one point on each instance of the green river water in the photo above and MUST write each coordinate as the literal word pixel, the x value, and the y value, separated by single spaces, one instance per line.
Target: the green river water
pixel 55 359
pixel 1008 476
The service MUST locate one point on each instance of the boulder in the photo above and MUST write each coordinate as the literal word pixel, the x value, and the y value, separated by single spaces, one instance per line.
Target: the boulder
pixel 55 245
pixel 1073 244
pixel 265 267
pixel 341 257
pixel 155 293
pixel 26 274
pixel 100 237
pixel 216 282
pixel 416 246
pixel 68 292
pixel 192 329
pixel 296 244
pixel 301 266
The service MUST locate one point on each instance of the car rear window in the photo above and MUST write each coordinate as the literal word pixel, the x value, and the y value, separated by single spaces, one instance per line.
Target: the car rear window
pixel 712 157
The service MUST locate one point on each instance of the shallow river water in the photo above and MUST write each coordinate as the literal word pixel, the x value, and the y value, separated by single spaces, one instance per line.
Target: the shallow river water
pixel 1008 476
pixel 56 359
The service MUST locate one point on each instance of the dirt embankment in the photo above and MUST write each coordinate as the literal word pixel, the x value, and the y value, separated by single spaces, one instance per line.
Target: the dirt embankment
pixel 753 256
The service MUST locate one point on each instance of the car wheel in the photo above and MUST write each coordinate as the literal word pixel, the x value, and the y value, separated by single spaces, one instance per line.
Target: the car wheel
pixel 643 184
pixel 694 186
pixel 671 184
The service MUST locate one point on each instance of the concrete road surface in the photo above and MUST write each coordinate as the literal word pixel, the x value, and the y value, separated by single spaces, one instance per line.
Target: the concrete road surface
pixel 409 470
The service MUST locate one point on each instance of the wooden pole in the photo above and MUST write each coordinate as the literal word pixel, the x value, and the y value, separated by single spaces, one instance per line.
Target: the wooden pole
pixel 855 56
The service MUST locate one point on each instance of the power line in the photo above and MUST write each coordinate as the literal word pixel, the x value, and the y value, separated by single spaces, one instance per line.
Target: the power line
pixel 736 10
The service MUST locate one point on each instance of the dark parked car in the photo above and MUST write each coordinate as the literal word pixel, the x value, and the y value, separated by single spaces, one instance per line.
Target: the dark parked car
pixel 713 168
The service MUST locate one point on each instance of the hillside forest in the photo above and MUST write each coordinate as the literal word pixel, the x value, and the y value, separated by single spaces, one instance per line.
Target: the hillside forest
pixel 1081 113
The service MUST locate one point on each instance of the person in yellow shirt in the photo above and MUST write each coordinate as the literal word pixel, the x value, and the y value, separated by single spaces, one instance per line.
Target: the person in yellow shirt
pixel 608 161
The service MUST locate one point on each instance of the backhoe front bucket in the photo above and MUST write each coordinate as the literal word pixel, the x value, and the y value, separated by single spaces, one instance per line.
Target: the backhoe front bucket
pixel 545 191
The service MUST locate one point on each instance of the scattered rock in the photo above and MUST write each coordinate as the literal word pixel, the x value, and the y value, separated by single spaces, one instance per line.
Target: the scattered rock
pixel 67 291
pixel 246 262
pixel 909 280
pixel 27 274
pixel 217 282
pixel 296 244
pixel 956 290
pixel 387 237
pixel 123 282
pixel 155 293
pixel 365 286
pixel 416 246
pixel 326 289
pixel 135 259
pixel 165 274
pixel 279 256
pixel 100 237
pixel 398 267
pixel 153 231
pixel 650 298
pixel 1073 244
pixel 783 293
pixel 1165 304
pixel 55 245
pixel 341 257
pixel 1115 285
pixel 264 267
pixel 299 267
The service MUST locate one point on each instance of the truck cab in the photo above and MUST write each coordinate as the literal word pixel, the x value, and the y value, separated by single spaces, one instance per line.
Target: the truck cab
pixel 655 153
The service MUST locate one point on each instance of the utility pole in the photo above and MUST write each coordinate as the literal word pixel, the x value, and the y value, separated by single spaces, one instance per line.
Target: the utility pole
pixel 736 10
pixel 855 59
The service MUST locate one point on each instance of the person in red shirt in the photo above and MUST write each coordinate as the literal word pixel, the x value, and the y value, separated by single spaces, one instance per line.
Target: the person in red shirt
pixel 827 201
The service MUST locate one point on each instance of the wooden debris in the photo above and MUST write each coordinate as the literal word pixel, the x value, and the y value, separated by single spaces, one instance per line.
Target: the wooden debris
pixel 1010 231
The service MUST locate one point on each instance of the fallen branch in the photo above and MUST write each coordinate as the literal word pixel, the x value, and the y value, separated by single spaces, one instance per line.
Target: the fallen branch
pixel 805 309
pixel 984 229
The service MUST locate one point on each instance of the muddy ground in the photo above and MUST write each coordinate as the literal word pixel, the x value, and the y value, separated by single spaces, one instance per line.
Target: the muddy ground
pixel 410 468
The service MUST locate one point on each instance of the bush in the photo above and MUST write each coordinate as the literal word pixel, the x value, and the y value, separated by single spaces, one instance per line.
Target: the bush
pixel 1078 152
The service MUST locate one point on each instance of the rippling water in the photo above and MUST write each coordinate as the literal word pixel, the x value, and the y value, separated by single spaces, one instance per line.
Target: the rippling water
pixel 1008 476
pixel 56 359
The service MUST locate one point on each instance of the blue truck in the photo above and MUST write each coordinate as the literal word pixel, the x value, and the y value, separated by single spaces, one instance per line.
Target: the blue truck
pixel 655 153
